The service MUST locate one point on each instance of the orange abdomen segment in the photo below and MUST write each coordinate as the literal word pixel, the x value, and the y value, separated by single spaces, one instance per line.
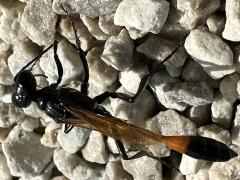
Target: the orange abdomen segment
pixel 177 143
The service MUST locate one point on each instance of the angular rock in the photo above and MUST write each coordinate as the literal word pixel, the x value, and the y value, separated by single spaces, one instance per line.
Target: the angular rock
pixel 4 169
pixel 214 132
pixel 24 153
pixel 222 111
pixel 10 115
pixel 74 140
pixel 201 174
pixel 190 165
pixel 11 12
pixel 6 77
pixel 3 134
pixel 199 114
pixel 73 167
pixel 144 15
pixel 232 27
pixel 29 124
pixel 160 83
pixel 174 71
pixel 143 168
pixel 228 87
pixel 135 33
pixel 216 24
pixel 106 24
pixel 102 76
pixel 71 63
pixel 213 54
pixel 95 149
pixel 171 123
pixel 195 12
pixel 115 171
pixel 66 30
pixel 92 8
pixel 38 22
pixel 236 128
pixel 118 51
pixel 93 28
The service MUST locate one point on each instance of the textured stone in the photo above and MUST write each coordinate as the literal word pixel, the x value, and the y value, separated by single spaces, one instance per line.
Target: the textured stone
pixel 236 128
pixel 24 153
pixel 216 24
pixel 29 124
pixel 200 114
pixel 232 27
pixel 115 171
pixel 196 11
pixel 143 15
pixel 4 169
pixel 92 8
pixel 211 52
pixel 106 23
pixel 118 51
pixel 38 22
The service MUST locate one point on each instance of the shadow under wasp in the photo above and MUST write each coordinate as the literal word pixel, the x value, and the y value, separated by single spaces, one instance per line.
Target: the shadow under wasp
pixel 75 108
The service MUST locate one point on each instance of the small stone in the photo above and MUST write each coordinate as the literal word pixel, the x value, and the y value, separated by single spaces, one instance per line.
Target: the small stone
pixel 29 124
pixel 211 52
pixel 91 8
pixel 115 171
pixel 156 47
pixel 144 15
pixel 231 31
pixel 160 82
pixel 95 149
pixel 5 50
pixel 24 153
pixel 106 23
pixel 216 24
pixel 228 87
pixel 135 33
pixel 221 111
pixel 118 51
pixel 130 79
pixel 214 132
pixel 73 166
pixel 190 165
pixel 10 115
pixel 38 22
pixel 193 72
pixel 5 173
pixel 74 140
pixel 3 134
pixel 33 110
pixel 143 168
pixel 174 71
pixel 171 123
pixel 93 28
pixel 199 114
pixel 225 170
pixel 195 11
pixel 136 112
pixel 70 60
pixel 66 30
pixel 11 12
pixel 236 128
pixel 23 53
pixel 202 174
pixel 101 76
pixel 6 78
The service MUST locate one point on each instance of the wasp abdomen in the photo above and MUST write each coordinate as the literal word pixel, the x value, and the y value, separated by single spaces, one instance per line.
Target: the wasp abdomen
pixel 209 149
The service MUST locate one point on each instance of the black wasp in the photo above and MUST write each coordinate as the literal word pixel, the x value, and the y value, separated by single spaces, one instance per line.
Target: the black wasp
pixel 72 107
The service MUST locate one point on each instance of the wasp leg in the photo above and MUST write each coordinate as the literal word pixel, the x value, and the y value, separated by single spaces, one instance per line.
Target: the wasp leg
pixel 84 87
pixel 67 128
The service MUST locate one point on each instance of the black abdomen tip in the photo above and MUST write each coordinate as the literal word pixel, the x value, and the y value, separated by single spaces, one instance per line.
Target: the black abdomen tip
pixel 209 149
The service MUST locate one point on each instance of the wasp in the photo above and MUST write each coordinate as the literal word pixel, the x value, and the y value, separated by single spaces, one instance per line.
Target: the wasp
pixel 76 108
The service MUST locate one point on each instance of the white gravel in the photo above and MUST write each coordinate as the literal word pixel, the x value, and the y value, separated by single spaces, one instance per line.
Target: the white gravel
pixel 196 92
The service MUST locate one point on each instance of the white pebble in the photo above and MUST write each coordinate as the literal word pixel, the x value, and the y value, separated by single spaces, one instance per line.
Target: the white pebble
pixel 95 150
pixel 70 60
pixel 144 15
pixel 29 124
pixel 74 140
pixel 92 8
pixel 171 123
pixel 228 87
pixel 196 11
pixel 232 27
pixel 118 51
pixel 73 167
pixel 143 168
pixel 24 153
pixel 4 169
pixel 115 171
pixel 211 52
pixel 106 23
pixel 10 30
pixel 190 165
pixel 38 22
pixel 221 111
